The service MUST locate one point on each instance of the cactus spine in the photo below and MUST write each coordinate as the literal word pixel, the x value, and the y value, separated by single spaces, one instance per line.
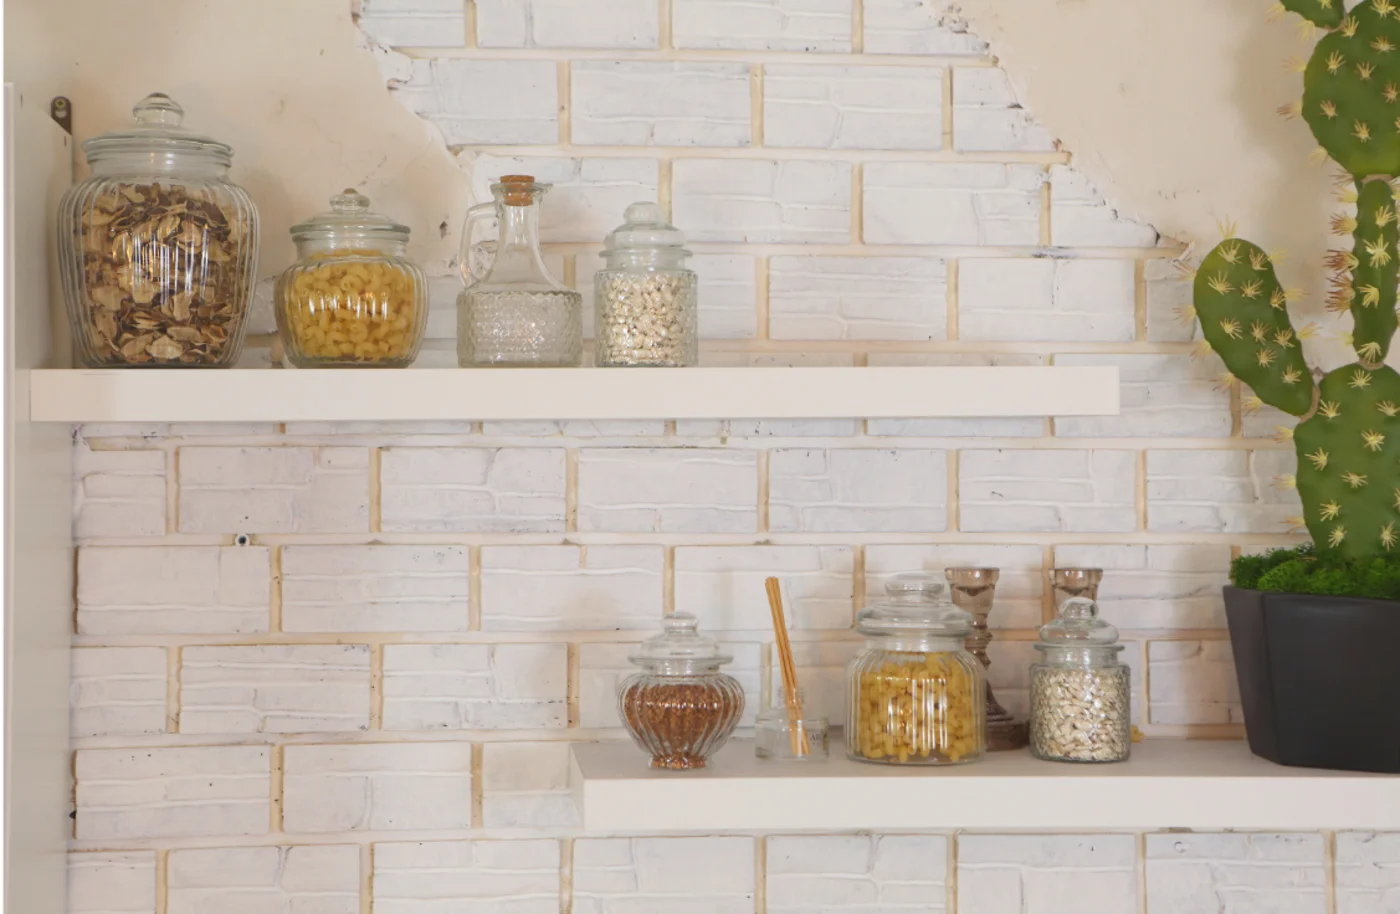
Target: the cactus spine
pixel 1348 441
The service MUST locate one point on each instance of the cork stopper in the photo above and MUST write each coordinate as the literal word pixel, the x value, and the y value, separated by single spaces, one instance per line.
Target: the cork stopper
pixel 516 189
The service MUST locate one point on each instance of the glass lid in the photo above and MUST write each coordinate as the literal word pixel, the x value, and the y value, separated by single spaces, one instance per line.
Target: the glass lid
pixel 915 604
pixel 680 641
pixel 349 217
pixel 1078 625
pixel 156 121
pixel 644 228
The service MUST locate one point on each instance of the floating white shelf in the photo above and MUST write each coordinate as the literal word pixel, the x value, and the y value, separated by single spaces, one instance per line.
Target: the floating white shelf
pixel 1166 784
pixel 270 395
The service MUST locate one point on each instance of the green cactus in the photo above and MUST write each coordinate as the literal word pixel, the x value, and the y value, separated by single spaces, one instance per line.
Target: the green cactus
pixel 1348 441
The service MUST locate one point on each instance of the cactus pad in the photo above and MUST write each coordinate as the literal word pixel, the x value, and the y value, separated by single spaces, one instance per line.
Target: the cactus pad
pixel 1326 14
pixel 1351 91
pixel 1373 276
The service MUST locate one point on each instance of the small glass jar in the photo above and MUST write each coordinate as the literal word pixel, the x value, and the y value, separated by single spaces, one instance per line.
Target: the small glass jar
pixel 790 734
pixel 644 298
pixel 680 709
pixel 1081 705
pixel 916 695
pixel 353 298
pixel 158 248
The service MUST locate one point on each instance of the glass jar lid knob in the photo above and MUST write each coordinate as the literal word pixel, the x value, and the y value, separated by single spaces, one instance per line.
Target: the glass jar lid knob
pixel 350 201
pixel 158 109
pixel 1078 623
pixel 680 641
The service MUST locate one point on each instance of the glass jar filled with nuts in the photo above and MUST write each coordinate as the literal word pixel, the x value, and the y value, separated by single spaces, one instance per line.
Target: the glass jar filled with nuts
pixel 644 298
pixel 353 298
pixel 915 694
pixel 1081 693
pixel 158 248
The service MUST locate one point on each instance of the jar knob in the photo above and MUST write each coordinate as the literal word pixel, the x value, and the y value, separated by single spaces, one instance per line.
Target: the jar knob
pixel 642 212
pixel 681 623
pixel 158 109
pixel 1079 609
pixel 350 200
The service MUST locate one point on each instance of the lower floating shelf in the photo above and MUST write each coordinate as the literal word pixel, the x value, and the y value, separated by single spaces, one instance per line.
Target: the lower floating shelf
pixel 1166 784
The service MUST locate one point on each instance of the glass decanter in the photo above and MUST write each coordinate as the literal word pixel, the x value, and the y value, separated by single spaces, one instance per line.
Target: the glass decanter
pixel 514 314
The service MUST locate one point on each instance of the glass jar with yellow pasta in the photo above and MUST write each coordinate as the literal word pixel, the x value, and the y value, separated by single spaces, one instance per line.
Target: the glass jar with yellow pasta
pixel 915 695
pixel 353 298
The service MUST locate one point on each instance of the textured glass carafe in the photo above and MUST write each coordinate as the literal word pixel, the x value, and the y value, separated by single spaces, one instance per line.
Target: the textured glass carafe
pixel 515 314
pixel 158 248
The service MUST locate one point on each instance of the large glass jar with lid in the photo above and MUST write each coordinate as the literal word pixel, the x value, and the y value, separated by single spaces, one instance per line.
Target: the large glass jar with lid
pixel 512 312
pixel 158 248
pixel 353 298
pixel 916 696
pixel 645 297
pixel 680 709
pixel 1081 708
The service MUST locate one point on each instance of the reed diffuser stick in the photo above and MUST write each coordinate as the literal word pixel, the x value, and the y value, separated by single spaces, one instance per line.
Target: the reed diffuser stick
pixel 801 745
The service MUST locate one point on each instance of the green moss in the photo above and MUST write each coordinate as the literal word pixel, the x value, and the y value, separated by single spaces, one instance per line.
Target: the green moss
pixel 1303 571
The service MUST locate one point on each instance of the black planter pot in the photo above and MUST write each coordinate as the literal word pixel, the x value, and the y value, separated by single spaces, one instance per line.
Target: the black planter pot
pixel 1319 678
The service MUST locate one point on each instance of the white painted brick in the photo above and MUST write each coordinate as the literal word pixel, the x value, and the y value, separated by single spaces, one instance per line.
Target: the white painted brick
pixel 758 200
pixel 125 794
pixel 588 194
pixel 821 669
pixel 467 877
pixel 496 490
pixel 1278 874
pixel 1163 396
pixel 728 296
pixel 1367 872
pixel 274 489
pixel 278 688
pixel 1193 682
pixel 936 203
pixel 314 880
pixel 375 588
pixel 117 493
pixel 1019 588
pixel 526 785
pixel 553 588
pixel 665 875
pixel 917 27
pixel 659 103
pixel 1047 491
pixel 1004 427
pixel 1265 421
pixel 415 23
pixel 1047 874
pixel 858 490
pixel 112 883
pixel 1157 586
pixel 377 787
pixel 857 873
pixel 1079 215
pixel 1219 491
pixel 827 107
pixel 603 666
pixel 1015 300
pixel 773 25
pixel 723 585
pixel 987 116
pixel 565 24
pixel 661 490
pixel 474 686
pixel 857 298
pixel 125 590
pixel 117 690
pixel 485 101
pixel 724 429
pixel 1169 290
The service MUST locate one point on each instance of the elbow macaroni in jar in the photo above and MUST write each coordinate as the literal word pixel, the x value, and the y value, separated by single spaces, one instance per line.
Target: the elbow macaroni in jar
pixel 914 708
pixel 351 307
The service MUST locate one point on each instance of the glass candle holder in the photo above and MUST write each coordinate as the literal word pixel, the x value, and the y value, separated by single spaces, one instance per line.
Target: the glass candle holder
pixel 783 735
pixel 973 592
pixel 1074 582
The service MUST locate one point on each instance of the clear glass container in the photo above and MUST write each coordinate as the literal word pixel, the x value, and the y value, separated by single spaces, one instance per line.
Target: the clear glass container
pixel 680 708
pixel 513 313
pixel 158 248
pixel 1081 693
pixel 782 733
pixel 644 298
pixel 915 696
pixel 353 298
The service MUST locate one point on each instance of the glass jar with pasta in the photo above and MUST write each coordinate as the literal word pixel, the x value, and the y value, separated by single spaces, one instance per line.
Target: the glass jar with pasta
pixel 915 695
pixel 353 299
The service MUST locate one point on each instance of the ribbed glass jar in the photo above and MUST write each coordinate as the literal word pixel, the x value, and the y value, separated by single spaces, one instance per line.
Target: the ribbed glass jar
pixel 353 299
pixel 158 248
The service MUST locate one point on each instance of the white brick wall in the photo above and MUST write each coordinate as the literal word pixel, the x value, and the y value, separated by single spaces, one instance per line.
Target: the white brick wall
pixel 1042 490
pixel 526 785
pixel 1013 300
pixel 728 308
pixel 1087 874
pixel 618 103
pixel 467 877
pixel 112 883
pixel 1019 588
pixel 821 491
pixel 1162 396
pixel 565 23
pixel 377 787
pixel 618 875
pixel 415 23
pixel 857 873
pixel 700 490
pixel 1219 491
pixel 516 490
pixel 1168 291
pixel 936 203
pixel 162 589
pixel 1281 874
pixel 857 298
pixel 295 688
pixel 118 493
pixel 827 107
pixel 917 27
pixel 485 101
pixel 126 794
pixel 790 201
pixel 1163 586
pixel 988 117
pixel 325 880
pixel 274 490
pixel 1367 872
pixel 117 690
pixel 1079 215
pixel 542 588
pixel 774 25
pixel 723 585
pixel 1193 682
pixel 375 588
pixel 474 686
pixel 588 194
